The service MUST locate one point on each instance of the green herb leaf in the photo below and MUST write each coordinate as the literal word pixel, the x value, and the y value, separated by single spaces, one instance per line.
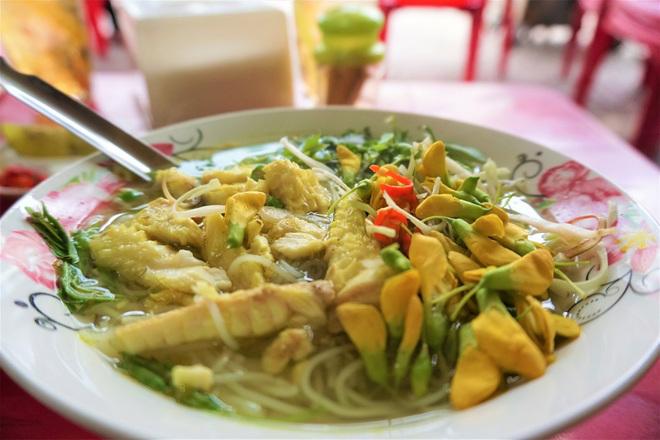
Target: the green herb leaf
pixel 395 258
pixel 201 400
pixel 258 173
pixel 469 156
pixel 129 195
pixel 144 376
pixel 75 288
pixel 53 234
pixel 158 376
pixel 81 239
pixel 274 202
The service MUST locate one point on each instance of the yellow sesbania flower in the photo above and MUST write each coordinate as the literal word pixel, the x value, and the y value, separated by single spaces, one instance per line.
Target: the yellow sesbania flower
pixel 537 322
pixel 475 275
pixel 448 206
pixel 411 335
pixel 532 274
pixel 394 298
pixel 350 164
pixel 489 225
pixel 434 161
pixel 476 377
pixel 566 327
pixel 428 256
pixel 487 251
pixel 240 209
pixel 504 340
pixel 447 243
pixel 365 327
pixel 462 264
pixel 515 238
pixel 494 209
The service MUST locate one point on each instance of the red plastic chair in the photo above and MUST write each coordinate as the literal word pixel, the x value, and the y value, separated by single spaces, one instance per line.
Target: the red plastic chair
pixel 637 20
pixel 580 8
pixel 94 13
pixel 475 8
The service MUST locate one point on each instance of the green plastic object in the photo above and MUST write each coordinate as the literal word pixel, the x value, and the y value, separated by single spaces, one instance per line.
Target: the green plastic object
pixel 350 36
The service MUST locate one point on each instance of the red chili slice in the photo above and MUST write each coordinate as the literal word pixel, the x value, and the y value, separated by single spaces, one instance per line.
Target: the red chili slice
pixel 404 192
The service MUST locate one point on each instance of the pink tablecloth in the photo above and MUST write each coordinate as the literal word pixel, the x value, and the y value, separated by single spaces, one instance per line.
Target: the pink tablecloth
pixel 538 114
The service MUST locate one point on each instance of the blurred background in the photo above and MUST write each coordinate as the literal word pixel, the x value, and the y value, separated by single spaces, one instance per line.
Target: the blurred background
pixel 148 63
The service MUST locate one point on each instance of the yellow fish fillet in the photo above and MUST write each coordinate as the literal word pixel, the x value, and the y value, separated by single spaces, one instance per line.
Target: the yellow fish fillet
pixel 243 314
pixel 354 263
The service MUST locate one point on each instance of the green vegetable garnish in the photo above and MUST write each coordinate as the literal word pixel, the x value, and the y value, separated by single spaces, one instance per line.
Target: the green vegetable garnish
pixel 420 373
pixel 258 173
pixel 158 376
pixel 53 234
pixel 274 202
pixel 466 155
pixel 235 234
pixel 73 287
pixel 130 195
pixel 395 259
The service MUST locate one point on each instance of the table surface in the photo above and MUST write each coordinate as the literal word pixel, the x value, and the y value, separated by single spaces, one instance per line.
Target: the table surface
pixel 539 114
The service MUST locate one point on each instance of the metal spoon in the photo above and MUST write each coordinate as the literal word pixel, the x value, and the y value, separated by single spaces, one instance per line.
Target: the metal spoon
pixel 132 153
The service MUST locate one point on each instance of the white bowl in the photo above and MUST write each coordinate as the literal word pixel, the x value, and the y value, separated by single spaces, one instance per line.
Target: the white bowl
pixel 42 352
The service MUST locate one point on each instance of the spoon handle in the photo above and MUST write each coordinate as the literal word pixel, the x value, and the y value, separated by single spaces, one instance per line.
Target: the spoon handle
pixel 132 153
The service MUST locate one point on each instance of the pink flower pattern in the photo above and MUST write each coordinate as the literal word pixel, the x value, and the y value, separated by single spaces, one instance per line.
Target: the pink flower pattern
pixel 575 195
pixel 72 206
pixel 27 251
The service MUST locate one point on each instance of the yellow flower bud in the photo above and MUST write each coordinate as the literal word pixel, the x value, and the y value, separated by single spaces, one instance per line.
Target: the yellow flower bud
pixel 428 256
pixel 413 327
pixel 537 322
pixel 411 335
pixel 565 327
pixel 533 273
pixel 489 225
pixel 476 378
pixel 447 243
pixel 434 160
pixel 505 341
pixel 487 251
pixel 394 298
pixel 347 159
pixel 462 264
pixel 365 327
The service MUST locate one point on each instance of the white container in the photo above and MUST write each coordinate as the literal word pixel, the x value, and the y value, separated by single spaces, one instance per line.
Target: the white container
pixel 205 57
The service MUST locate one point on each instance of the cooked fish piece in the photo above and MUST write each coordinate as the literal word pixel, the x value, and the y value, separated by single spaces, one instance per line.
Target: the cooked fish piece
pixel 239 174
pixel 298 189
pixel 291 344
pixel 158 302
pixel 219 196
pixel 226 190
pixel 242 314
pixel 178 182
pixel 133 256
pixel 249 274
pixel 354 263
pixel 298 245
pixel 294 224
pixel 157 221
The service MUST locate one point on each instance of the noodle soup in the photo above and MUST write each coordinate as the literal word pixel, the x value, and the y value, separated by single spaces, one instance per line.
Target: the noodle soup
pixel 328 279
